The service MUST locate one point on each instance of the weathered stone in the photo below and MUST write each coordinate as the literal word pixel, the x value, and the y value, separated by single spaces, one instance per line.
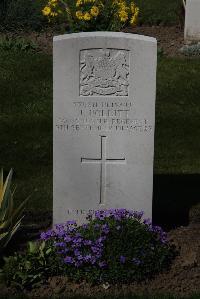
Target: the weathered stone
pixel 104 106
pixel 192 21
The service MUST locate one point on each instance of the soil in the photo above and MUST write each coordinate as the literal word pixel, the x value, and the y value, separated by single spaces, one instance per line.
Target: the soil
pixel 170 39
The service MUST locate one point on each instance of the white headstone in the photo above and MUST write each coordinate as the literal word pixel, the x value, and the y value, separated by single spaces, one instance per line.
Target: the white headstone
pixel 104 106
pixel 192 21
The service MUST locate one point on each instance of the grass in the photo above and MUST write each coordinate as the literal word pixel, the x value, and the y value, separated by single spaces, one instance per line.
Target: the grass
pixel 197 296
pixel 26 121
pixel 155 12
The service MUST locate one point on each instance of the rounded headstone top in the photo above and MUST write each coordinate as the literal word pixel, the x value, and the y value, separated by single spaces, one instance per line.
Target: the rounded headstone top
pixel 109 34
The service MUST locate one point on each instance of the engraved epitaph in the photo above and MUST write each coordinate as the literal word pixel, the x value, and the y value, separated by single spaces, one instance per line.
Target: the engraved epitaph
pixel 104 114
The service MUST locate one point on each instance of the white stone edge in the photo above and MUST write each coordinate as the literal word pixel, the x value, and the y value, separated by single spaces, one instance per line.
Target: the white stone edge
pixel 104 34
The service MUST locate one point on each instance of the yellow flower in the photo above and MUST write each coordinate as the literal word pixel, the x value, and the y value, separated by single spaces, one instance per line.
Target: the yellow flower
pixel 53 14
pixel 123 15
pixel 94 11
pixel 87 16
pixel 133 7
pixel 133 20
pixel 79 15
pixel 79 3
pixel 53 3
pixel 46 10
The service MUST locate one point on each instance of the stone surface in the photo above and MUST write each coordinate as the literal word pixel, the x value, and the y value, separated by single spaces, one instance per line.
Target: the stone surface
pixel 104 106
pixel 192 21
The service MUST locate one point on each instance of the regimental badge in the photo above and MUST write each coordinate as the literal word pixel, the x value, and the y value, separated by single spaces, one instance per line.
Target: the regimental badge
pixel 104 72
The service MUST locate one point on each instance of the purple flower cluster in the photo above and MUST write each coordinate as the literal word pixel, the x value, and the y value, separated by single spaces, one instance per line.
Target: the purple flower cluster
pixel 84 245
pixel 75 249
pixel 162 236
pixel 118 214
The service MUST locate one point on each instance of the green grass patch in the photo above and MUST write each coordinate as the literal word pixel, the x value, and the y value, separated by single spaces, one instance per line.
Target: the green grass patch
pixel 26 121
pixel 197 296
pixel 155 12
pixel 177 143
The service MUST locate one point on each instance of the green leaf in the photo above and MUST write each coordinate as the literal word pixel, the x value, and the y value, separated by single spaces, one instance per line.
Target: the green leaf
pixel 6 189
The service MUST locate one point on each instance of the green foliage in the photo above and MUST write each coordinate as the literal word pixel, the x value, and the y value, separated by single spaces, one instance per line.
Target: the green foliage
pixel 17 44
pixel 10 218
pixel 31 268
pixel 157 12
pixel 24 14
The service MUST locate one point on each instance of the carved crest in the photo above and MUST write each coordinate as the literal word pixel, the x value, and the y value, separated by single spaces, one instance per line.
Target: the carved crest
pixel 104 72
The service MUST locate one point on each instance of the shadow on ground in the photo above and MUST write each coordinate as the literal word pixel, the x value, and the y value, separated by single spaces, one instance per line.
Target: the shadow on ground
pixel 173 196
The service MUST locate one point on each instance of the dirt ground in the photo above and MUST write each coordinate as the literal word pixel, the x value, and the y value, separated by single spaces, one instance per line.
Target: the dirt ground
pixel 170 39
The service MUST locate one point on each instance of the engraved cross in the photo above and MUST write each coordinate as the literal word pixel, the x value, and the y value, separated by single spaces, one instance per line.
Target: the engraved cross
pixel 103 161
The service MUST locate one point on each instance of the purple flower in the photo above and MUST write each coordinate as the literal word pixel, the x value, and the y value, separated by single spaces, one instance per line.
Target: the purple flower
pixel 77 241
pixel 87 257
pixel 95 249
pixel 71 222
pixel 87 242
pixel 69 260
pixel 47 235
pixel 138 214
pixel 93 260
pixel 59 226
pixel 147 221
pixel 105 228
pixel 59 244
pixel 100 240
pixel 102 264
pixel 76 252
pixel 80 257
pixel 61 233
pixel 67 238
pixel 122 259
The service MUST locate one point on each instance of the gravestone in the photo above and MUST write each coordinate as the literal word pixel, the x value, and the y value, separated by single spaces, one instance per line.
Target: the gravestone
pixel 104 105
pixel 192 21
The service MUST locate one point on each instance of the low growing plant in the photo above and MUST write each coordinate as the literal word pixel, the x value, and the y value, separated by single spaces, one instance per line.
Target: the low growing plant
pixel 31 268
pixel 17 44
pixel 10 218
pixel 114 246
pixel 93 15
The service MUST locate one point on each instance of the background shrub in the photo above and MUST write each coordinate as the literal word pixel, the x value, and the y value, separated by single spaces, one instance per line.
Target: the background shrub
pixel 22 14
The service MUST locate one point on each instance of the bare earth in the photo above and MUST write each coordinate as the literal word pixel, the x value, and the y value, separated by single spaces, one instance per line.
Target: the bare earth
pixel 170 39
